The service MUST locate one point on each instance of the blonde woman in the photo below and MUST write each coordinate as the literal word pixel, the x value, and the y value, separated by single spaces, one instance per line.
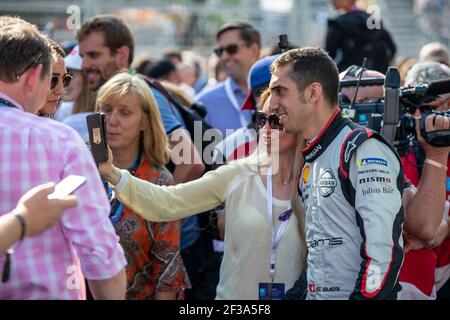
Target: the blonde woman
pixel 139 144
pixel 263 243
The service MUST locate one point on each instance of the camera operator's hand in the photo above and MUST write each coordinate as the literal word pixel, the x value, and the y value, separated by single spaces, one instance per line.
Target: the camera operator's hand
pixel 433 122
pixel 108 170
pixel 411 243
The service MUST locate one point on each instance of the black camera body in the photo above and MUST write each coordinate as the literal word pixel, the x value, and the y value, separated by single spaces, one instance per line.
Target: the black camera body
pixel 387 115
pixel 407 126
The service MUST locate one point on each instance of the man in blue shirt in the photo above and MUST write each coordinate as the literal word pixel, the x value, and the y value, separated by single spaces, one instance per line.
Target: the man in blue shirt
pixel 238 49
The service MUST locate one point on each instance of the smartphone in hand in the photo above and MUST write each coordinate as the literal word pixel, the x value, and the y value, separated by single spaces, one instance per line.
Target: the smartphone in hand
pixel 67 186
pixel 96 124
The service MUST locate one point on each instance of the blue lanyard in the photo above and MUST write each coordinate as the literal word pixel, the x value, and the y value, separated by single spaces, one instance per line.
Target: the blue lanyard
pixel 7 104
pixel 117 206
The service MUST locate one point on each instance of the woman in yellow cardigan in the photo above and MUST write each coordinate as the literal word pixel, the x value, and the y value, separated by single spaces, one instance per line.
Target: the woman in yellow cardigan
pixel 264 253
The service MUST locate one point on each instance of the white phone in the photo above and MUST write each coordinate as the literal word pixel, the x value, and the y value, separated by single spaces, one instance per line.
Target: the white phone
pixel 67 186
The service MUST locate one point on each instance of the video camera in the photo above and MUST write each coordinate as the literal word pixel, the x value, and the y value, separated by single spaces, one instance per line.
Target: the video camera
pixel 387 114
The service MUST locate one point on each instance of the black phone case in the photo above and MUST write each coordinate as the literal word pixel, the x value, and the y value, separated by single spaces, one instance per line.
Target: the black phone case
pixel 96 124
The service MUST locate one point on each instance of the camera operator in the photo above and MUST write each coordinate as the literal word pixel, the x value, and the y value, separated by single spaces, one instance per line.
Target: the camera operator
pixel 426 211
pixel 366 93
pixel 424 226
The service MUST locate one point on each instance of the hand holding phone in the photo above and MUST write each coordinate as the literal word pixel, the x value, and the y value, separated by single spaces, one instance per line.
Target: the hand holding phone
pixel 67 186
pixel 96 124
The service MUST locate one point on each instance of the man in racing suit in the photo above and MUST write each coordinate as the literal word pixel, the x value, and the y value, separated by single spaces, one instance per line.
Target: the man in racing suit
pixel 351 184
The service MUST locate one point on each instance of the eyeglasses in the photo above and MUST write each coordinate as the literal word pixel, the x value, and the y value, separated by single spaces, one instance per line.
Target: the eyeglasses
pixel 33 63
pixel 230 49
pixel 66 78
pixel 262 118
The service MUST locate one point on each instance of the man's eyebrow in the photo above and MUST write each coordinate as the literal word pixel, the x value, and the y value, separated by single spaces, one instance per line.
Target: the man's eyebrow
pixel 276 87
pixel 90 53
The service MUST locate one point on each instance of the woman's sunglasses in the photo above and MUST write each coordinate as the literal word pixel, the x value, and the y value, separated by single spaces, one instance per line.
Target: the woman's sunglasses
pixel 66 78
pixel 262 118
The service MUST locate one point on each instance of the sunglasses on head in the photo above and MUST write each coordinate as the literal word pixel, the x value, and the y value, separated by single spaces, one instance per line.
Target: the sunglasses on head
pixel 66 78
pixel 230 49
pixel 273 120
pixel 32 64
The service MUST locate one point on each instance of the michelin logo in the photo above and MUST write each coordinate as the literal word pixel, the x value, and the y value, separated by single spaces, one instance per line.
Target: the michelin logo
pixel 366 161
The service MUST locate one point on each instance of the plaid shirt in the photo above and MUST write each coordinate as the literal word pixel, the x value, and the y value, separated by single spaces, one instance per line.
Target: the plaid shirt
pixel 33 151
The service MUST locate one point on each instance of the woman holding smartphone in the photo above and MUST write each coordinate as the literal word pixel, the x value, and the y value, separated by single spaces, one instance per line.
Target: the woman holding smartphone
pixel 264 251
pixel 139 145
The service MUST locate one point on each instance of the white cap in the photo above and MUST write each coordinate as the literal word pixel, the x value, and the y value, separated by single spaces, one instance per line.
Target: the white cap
pixel 73 60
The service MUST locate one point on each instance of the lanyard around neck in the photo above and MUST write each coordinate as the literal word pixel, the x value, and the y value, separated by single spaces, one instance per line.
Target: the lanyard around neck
pixel 117 206
pixel 232 97
pixel 276 234
pixel 7 104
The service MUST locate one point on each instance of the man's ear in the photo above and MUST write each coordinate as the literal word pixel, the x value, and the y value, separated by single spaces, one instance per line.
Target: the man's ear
pixel 122 55
pixel 255 49
pixel 31 78
pixel 315 92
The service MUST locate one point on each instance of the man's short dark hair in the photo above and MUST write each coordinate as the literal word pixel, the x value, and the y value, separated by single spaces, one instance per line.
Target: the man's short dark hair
pixel 248 34
pixel 115 31
pixel 22 47
pixel 311 65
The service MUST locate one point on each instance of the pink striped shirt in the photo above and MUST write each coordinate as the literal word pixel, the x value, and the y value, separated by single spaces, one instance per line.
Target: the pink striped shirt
pixel 33 151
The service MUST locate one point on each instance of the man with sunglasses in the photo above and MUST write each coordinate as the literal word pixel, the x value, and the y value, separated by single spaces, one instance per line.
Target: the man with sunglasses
pixel 243 142
pixel 238 49
pixel 36 150
pixel 351 184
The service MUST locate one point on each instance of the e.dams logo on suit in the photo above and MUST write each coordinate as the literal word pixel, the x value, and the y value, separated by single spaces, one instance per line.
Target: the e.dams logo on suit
pixel 327 183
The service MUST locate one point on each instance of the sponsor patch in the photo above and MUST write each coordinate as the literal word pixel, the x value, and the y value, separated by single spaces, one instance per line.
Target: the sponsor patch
pixel 306 174
pixel 366 161
pixel 350 147
pixel 327 183
pixel 374 179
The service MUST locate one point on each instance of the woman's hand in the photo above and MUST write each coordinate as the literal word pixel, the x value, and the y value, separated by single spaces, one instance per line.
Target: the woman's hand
pixel 108 170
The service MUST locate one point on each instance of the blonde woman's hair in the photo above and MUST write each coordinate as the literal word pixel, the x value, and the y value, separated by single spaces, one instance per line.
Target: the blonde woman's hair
pixel 153 141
